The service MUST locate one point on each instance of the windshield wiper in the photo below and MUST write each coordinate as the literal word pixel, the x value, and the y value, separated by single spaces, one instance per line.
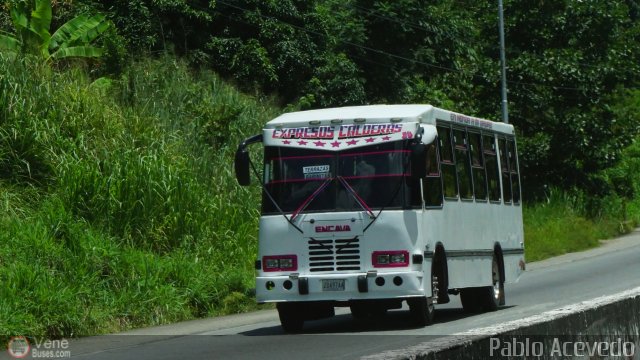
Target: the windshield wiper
pixel 356 197
pixel 310 198
pixel 273 201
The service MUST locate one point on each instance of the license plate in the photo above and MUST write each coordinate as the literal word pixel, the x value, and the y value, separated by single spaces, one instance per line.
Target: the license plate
pixel 333 285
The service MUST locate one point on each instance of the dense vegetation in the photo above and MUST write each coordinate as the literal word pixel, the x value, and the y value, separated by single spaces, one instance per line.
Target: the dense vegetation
pixel 118 207
pixel 573 70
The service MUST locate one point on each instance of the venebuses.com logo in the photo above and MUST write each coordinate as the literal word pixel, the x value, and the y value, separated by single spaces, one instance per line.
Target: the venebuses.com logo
pixel 18 347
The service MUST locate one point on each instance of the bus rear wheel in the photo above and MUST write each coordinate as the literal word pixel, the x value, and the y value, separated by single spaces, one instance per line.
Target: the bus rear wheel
pixel 470 299
pixel 422 310
pixel 485 298
pixel 495 296
pixel 361 310
pixel 291 317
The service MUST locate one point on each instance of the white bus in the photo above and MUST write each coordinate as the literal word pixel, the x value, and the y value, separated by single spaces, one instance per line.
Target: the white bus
pixel 370 206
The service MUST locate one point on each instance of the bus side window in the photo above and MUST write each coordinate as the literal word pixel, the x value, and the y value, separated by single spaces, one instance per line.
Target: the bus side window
pixel 463 165
pixel 432 184
pixel 504 169
pixel 447 166
pixel 491 161
pixel 513 169
pixel 477 167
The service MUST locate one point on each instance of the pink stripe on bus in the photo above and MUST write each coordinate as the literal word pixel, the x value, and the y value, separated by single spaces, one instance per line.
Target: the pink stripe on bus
pixel 303 157
pixel 375 176
pixel 374 153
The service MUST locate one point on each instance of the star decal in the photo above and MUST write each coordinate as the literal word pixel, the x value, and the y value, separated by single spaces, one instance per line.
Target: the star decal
pixel 320 143
pixel 302 142
pixel 335 144
pixel 286 142
pixel 370 140
pixel 352 142
pixel 386 138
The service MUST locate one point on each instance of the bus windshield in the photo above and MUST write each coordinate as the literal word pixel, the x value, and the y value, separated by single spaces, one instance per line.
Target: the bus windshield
pixel 306 180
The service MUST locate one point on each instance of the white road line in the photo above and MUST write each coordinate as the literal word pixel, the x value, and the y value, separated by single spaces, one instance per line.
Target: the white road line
pixel 467 337
pixel 553 314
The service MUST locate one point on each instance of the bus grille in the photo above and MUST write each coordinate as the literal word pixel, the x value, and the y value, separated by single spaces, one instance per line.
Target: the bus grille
pixel 334 255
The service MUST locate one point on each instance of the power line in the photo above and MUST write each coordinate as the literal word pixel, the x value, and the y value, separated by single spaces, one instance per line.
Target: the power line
pixel 346 41
pixel 417 26
pixel 381 52
pixel 411 24
pixel 440 67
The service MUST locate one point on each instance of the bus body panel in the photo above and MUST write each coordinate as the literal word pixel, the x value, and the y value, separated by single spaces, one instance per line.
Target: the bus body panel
pixel 469 231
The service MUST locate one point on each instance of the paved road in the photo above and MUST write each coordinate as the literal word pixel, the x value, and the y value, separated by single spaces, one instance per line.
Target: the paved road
pixel 546 285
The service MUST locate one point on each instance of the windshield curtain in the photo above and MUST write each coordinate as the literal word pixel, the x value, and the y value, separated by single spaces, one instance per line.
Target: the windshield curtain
pixel 309 180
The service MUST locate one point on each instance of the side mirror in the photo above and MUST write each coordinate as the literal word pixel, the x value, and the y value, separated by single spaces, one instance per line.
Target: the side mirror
pixel 241 165
pixel 242 161
pixel 418 160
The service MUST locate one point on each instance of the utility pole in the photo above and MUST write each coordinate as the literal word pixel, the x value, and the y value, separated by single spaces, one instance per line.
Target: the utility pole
pixel 503 66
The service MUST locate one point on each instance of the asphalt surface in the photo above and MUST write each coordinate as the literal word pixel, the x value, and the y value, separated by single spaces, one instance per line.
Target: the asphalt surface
pixel 546 285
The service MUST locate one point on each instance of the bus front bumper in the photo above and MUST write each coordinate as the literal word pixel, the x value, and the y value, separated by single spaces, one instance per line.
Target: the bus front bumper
pixel 340 287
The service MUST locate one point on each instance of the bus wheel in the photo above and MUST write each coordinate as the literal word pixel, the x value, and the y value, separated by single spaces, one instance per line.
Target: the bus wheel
pixel 422 310
pixel 364 309
pixel 486 298
pixel 493 296
pixel 470 299
pixel 359 311
pixel 291 317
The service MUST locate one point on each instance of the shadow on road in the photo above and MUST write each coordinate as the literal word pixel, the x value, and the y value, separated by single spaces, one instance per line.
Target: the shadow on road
pixel 396 320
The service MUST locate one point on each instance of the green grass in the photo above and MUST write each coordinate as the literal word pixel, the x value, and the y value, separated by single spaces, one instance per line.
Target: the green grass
pixel 560 224
pixel 119 209
pixel 119 205
pixel 60 278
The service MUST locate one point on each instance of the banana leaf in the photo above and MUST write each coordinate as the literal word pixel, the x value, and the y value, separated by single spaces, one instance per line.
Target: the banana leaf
pixel 79 30
pixel 9 43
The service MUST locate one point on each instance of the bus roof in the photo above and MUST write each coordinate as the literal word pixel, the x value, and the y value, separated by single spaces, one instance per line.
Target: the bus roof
pixel 382 114
pixel 369 112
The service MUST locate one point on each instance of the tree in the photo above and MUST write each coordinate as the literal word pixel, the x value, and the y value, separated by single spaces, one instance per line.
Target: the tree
pixel 567 58
pixel 32 21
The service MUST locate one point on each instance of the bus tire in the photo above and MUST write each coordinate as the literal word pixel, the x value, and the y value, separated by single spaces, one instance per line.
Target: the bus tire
pixel 470 299
pixel 291 317
pixel 366 309
pixel 502 298
pixel 493 296
pixel 485 298
pixel 359 311
pixel 422 310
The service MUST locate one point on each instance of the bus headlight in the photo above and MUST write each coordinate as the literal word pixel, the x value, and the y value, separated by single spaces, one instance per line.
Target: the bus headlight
pixel 280 263
pixel 382 259
pixel 394 258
